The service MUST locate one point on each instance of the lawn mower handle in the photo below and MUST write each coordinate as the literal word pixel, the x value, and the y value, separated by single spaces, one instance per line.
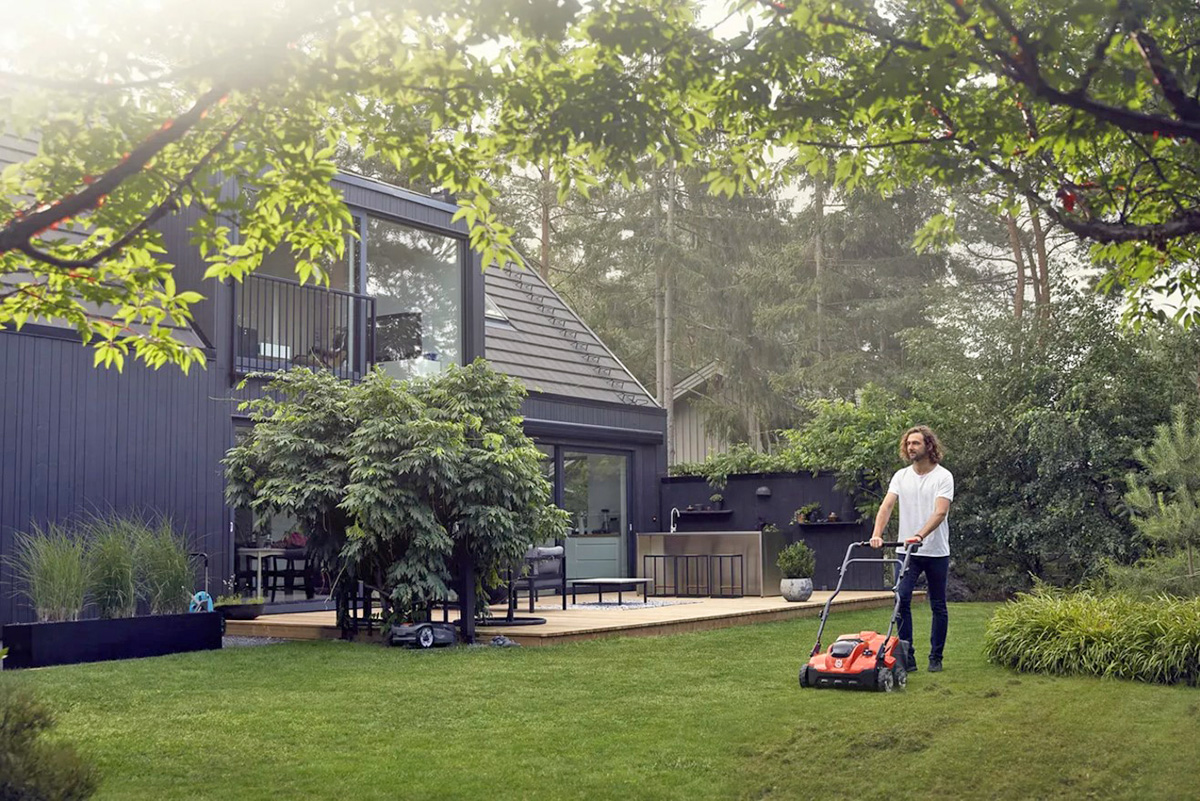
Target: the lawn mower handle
pixel 912 544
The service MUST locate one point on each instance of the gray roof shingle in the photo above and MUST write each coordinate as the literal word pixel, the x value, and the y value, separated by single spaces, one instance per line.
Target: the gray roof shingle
pixel 548 347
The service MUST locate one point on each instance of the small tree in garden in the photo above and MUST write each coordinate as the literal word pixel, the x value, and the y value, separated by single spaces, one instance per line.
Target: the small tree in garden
pixel 396 483
pixel 1167 501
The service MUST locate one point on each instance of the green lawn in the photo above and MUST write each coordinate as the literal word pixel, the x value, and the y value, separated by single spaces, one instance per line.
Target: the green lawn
pixel 709 715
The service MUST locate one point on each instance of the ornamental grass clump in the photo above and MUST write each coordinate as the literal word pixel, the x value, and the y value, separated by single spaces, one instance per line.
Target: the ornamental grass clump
pixel 165 575
pixel 1082 633
pixel 51 567
pixel 112 554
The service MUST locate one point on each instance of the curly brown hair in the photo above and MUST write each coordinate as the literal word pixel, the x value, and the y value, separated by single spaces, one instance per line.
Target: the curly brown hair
pixel 933 445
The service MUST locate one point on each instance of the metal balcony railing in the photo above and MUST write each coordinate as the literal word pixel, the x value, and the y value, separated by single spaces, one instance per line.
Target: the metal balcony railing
pixel 280 324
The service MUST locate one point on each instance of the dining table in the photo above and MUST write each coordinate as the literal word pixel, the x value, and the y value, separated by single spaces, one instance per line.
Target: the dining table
pixel 258 554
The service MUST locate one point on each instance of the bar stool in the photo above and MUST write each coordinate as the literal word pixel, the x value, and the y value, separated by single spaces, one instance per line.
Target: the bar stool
pixel 734 565
pixel 652 564
pixel 696 570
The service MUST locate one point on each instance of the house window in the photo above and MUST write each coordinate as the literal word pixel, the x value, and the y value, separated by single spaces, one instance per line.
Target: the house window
pixel 595 492
pixel 493 313
pixel 417 281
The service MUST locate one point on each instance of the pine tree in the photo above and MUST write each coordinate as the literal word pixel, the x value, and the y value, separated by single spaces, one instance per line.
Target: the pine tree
pixel 1167 500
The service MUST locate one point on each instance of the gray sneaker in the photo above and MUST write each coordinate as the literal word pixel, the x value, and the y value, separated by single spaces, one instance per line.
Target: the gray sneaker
pixel 935 666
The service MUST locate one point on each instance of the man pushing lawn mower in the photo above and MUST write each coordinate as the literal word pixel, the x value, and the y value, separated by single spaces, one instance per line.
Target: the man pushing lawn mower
pixel 868 660
pixel 925 490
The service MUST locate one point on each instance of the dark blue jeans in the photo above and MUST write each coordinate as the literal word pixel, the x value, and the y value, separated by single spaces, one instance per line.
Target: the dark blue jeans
pixel 936 570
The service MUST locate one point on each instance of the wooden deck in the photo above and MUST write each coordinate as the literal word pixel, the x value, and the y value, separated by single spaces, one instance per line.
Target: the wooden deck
pixel 588 621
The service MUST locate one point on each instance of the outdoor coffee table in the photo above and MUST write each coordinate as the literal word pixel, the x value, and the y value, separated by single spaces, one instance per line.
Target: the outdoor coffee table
pixel 599 584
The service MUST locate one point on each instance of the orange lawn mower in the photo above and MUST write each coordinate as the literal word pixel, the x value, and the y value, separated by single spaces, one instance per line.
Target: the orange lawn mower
pixel 866 660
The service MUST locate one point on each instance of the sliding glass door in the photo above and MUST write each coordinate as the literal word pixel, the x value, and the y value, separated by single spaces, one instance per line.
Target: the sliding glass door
pixel 595 492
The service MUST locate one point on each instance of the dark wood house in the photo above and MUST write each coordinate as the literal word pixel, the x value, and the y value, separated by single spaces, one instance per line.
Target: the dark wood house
pixel 410 296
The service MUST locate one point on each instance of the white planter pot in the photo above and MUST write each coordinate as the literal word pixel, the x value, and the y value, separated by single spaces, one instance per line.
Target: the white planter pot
pixel 797 589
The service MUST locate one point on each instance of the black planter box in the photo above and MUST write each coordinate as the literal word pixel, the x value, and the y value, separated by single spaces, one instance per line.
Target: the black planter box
pixel 42 644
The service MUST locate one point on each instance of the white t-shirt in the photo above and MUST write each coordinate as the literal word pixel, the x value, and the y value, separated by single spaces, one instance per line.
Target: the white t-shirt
pixel 917 494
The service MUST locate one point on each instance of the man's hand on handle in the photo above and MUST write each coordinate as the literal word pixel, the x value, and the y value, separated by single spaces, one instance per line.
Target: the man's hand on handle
pixel 877 541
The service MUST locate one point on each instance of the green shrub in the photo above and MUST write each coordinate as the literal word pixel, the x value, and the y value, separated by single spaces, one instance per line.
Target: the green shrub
pixel 1083 633
pixel 111 553
pixel 796 561
pixel 51 568
pixel 1151 577
pixel 30 767
pixel 165 576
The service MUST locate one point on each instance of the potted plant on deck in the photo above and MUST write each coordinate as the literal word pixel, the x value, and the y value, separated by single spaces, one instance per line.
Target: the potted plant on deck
pixel 796 564
pixel 235 606
pixel 718 500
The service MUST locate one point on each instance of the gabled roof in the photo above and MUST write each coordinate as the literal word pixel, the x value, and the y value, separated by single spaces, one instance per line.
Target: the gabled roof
pixel 548 347
pixel 697 379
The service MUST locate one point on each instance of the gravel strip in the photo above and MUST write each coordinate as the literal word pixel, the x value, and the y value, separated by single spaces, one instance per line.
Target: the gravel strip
pixel 241 642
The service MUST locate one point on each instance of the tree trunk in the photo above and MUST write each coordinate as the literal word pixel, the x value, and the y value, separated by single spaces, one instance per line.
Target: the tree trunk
pixel 1014 241
pixel 1038 300
pixel 659 286
pixel 466 597
pixel 754 429
pixel 547 198
pixel 819 207
pixel 1043 261
pixel 669 317
pixel 659 322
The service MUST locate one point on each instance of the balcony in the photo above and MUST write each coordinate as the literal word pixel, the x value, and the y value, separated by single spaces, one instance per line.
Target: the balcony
pixel 280 324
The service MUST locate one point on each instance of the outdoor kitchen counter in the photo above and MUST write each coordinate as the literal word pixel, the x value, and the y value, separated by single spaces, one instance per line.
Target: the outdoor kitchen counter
pixel 758 550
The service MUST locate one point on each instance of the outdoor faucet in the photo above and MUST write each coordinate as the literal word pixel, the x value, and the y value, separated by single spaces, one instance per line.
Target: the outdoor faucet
pixel 674 517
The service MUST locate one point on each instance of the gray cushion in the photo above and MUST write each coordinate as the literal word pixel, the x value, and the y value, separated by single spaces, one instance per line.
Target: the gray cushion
pixel 545 567
pixel 545 560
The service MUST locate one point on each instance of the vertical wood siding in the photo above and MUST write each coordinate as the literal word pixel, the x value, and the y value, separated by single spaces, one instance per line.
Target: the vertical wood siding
pixel 692 442
pixel 75 439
